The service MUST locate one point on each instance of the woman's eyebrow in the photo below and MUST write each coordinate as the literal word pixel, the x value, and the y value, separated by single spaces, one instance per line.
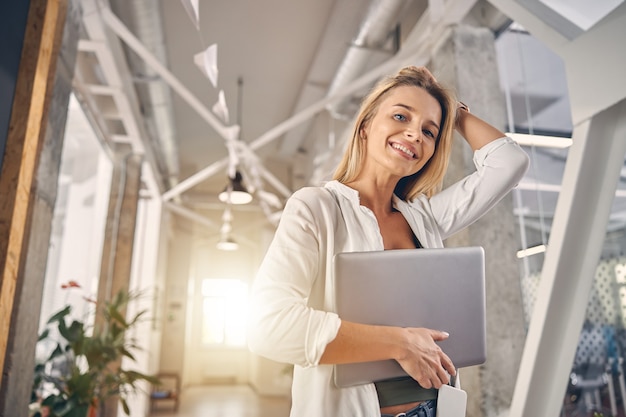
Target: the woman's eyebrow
pixel 409 108
pixel 434 124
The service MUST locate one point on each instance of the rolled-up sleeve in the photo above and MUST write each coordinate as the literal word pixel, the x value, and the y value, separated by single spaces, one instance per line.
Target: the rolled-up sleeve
pixel 281 325
pixel 500 165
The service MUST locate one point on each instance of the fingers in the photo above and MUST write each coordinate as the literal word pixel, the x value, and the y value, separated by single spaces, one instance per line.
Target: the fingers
pixel 434 377
pixel 447 364
pixel 442 371
pixel 428 364
pixel 439 335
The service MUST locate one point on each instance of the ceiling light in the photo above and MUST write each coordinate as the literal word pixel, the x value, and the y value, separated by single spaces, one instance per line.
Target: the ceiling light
pixel 531 251
pixel 235 192
pixel 227 243
pixel 540 140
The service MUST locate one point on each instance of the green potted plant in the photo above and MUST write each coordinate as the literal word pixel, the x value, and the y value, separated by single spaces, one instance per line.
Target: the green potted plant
pixel 84 369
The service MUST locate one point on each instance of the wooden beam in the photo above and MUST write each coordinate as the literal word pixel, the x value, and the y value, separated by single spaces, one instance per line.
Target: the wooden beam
pixel 42 42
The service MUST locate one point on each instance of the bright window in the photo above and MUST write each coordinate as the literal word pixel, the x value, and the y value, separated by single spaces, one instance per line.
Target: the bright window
pixel 224 311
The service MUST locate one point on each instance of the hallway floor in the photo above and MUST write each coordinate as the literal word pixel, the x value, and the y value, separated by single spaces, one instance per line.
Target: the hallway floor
pixel 223 401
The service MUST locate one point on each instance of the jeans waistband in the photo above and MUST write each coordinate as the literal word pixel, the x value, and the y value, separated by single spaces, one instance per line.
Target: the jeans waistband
pixel 425 409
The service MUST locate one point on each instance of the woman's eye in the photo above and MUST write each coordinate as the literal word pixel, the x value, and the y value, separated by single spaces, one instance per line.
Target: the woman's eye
pixel 429 133
pixel 399 117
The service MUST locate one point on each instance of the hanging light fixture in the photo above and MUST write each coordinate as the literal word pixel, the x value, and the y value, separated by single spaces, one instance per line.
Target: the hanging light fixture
pixel 533 250
pixel 540 140
pixel 226 241
pixel 235 192
pixel 228 244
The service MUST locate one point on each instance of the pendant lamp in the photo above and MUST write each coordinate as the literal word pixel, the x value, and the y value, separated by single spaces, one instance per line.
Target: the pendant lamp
pixel 235 192
pixel 227 243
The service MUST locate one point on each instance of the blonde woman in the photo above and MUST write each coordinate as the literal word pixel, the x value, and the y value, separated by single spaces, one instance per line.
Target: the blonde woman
pixel 385 195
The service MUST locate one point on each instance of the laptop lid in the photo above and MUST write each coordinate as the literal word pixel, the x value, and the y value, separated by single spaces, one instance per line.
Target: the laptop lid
pixel 442 289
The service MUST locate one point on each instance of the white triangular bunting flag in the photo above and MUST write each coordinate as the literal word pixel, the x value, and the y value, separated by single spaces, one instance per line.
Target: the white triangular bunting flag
pixel 192 9
pixel 207 62
pixel 220 109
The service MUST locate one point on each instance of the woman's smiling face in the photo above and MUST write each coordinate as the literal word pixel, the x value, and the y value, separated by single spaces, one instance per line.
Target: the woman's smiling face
pixel 400 138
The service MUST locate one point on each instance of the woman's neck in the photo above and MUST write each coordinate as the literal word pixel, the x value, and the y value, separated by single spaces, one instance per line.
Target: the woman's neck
pixel 375 196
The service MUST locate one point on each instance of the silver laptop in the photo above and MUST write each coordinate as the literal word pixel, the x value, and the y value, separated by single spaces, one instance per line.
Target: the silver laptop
pixel 441 289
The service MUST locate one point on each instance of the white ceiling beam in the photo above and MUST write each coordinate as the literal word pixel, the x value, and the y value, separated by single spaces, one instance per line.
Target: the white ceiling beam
pixel 532 23
pixel 191 215
pixel 270 178
pixel 593 88
pixel 101 90
pixel 149 179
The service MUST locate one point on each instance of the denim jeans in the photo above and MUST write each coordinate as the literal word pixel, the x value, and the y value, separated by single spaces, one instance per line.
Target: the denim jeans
pixel 425 409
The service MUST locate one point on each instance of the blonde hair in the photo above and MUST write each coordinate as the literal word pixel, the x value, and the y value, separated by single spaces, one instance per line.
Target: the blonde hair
pixel 429 179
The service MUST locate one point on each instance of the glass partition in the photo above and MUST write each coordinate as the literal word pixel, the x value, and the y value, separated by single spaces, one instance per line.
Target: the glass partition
pixel 533 80
pixel 77 233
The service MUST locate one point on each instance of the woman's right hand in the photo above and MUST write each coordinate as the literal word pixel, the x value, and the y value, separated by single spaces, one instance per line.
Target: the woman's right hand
pixel 424 360
pixel 415 349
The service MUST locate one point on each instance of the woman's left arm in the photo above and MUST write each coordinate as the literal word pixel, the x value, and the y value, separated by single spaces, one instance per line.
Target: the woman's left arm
pixel 476 131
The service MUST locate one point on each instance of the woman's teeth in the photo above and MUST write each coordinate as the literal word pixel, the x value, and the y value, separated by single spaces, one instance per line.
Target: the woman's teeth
pixel 403 149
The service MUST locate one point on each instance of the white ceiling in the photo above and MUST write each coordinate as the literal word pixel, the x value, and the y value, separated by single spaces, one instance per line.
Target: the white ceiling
pixel 136 77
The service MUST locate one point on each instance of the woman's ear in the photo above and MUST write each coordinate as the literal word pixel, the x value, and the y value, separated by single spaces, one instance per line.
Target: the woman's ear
pixel 362 132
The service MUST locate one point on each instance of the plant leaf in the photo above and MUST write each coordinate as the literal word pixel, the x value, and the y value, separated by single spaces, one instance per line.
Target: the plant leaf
pixel 72 333
pixel 127 353
pixel 43 335
pixel 115 314
pixel 58 351
pixel 125 406
pixel 60 315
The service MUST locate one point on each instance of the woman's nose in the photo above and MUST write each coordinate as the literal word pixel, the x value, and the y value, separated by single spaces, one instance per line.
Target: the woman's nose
pixel 411 134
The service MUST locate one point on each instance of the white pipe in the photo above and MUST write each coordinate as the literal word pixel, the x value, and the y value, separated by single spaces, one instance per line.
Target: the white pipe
pixel 198 177
pixel 191 215
pixel 269 177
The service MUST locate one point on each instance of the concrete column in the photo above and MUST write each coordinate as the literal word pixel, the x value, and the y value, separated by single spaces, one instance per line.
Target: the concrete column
pixel 466 61
pixel 119 234
pixel 28 189
pixel 117 251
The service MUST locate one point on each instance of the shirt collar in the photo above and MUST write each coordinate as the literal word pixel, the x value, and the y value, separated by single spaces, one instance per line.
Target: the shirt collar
pixel 343 190
pixel 353 195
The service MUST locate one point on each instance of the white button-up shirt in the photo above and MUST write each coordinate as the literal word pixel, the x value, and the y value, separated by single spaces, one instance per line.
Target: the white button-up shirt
pixel 292 316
